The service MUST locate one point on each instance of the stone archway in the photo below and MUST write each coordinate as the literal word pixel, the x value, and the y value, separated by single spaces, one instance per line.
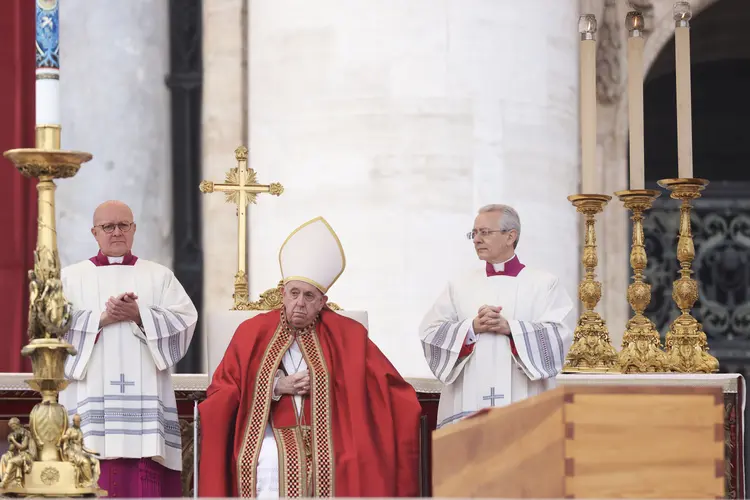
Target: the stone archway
pixel 721 221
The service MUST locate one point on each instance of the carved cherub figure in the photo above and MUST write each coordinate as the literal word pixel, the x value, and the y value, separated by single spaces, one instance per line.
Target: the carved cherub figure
pixel 16 462
pixel 86 464
pixel 641 355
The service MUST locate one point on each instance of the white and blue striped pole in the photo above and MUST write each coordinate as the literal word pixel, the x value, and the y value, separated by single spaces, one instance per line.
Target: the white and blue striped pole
pixel 48 123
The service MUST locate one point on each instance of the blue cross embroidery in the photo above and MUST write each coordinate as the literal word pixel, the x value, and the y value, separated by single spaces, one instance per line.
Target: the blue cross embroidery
pixel 492 397
pixel 121 383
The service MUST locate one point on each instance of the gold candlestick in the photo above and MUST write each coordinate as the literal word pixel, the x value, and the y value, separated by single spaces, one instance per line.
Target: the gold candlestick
pixel 592 351
pixel 50 465
pixel 686 344
pixel 641 348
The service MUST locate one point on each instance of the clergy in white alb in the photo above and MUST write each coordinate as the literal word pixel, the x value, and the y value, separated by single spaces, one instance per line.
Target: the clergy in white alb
pixel 498 334
pixel 131 322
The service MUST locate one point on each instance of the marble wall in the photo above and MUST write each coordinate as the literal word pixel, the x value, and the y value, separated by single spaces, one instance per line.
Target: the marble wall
pixel 396 120
pixel 114 57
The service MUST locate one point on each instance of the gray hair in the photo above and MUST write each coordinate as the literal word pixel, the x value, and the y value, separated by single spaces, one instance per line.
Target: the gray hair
pixel 509 219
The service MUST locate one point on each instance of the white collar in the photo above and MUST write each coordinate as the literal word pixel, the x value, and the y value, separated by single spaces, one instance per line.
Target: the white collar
pixel 115 260
pixel 501 266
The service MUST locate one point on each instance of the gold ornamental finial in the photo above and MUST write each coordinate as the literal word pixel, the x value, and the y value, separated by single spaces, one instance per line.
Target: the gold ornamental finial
pixel 240 154
pixel 240 188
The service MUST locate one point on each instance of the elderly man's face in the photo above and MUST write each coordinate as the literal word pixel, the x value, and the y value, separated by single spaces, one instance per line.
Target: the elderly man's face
pixel 302 303
pixel 114 228
pixel 492 244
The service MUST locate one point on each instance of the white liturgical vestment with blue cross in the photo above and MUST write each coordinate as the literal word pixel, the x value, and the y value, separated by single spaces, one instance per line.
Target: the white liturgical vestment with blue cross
pixel 538 312
pixel 121 384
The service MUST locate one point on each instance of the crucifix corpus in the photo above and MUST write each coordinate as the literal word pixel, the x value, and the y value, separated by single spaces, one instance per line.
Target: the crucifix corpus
pixel 241 189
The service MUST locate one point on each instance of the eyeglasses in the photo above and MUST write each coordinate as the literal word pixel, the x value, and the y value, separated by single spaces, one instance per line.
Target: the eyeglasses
pixel 483 232
pixel 122 226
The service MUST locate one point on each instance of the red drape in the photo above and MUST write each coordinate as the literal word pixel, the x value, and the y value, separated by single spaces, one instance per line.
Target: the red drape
pixel 17 194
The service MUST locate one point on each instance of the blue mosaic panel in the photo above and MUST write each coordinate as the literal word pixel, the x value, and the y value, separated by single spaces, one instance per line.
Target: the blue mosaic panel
pixel 47 34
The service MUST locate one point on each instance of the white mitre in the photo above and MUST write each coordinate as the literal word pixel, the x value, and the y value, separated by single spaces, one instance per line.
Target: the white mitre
pixel 313 254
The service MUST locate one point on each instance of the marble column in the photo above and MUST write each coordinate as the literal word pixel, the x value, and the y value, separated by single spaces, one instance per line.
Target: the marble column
pixel 396 121
pixel 224 129
pixel 114 104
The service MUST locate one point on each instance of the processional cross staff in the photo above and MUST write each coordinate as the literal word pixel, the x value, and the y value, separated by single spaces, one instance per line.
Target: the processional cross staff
pixel 241 189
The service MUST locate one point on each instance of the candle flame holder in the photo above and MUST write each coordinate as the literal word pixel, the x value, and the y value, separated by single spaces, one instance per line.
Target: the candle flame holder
pixel 592 350
pixel 686 344
pixel 641 346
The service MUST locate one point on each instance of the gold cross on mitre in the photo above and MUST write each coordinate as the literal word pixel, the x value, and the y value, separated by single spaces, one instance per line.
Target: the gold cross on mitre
pixel 241 189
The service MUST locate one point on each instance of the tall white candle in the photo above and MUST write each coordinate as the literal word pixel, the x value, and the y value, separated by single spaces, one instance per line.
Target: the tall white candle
pixel 47 62
pixel 587 29
pixel 682 17
pixel 634 23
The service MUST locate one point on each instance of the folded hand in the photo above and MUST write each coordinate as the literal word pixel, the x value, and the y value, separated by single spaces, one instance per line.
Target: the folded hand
pixel 490 320
pixel 297 384
pixel 124 308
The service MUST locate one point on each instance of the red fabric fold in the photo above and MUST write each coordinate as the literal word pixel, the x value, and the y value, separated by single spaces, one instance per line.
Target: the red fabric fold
pixel 18 199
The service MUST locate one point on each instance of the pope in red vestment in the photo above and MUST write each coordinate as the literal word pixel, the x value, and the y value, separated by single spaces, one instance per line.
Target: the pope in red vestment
pixel 338 420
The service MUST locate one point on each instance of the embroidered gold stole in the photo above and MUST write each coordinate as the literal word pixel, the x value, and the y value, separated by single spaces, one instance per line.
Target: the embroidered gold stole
pixel 306 455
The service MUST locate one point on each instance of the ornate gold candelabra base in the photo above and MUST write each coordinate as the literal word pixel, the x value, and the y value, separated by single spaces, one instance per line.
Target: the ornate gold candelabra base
pixel 641 347
pixel 686 344
pixel 48 458
pixel 592 351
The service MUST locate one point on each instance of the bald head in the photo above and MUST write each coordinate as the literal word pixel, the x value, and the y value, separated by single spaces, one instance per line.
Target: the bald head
pixel 111 208
pixel 114 228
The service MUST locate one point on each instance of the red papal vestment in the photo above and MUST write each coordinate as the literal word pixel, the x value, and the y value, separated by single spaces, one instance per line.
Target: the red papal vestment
pixel 359 431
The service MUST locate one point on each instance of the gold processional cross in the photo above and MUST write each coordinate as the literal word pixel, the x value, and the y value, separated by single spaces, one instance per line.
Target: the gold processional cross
pixel 241 189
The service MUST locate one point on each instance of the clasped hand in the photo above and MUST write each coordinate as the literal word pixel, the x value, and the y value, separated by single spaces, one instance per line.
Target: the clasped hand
pixel 297 384
pixel 489 320
pixel 121 308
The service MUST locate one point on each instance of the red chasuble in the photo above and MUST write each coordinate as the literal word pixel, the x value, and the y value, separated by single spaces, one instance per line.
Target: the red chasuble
pixel 359 431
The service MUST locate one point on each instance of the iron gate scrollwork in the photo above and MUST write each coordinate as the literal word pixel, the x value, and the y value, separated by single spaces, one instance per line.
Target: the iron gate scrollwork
pixel 721 234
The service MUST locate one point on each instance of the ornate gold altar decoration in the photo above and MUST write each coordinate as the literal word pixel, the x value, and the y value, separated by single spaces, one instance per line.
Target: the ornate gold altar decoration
pixel 641 346
pixel 592 351
pixel 685 344
pixel 43 467
pixel 272 299
pixel 241 189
